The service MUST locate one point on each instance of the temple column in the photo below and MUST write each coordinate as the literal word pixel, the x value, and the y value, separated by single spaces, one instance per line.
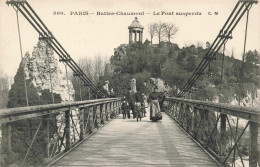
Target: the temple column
pixel 141 36
pixel 130 37
pixel 135 36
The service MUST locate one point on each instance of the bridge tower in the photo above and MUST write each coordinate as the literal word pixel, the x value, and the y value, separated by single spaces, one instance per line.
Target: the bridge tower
pixel 137 29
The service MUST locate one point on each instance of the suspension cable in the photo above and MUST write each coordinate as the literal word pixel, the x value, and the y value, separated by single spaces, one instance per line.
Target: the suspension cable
pixel 34 20
pixel 67 80
pixel 222 64
pixel 209 70
pixel 247 15
pixel 224 34
pixel 23 63
pixel 49 66
pixel 79 90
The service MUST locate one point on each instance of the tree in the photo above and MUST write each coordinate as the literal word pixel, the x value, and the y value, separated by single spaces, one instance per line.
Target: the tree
pixel 17 97
pixel 152 29
pixel 169 30
pixel 86 64
pixel 26 127
pixel 98 69
pixel 94 69
pixel 159 30
pixel 4 89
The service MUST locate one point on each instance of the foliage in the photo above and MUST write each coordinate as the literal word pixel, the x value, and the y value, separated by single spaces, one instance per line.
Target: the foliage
pixel 95 70
pixel 175 66
pixel 4 89
pixel 162 30
pixel 17 93
pixel 26 127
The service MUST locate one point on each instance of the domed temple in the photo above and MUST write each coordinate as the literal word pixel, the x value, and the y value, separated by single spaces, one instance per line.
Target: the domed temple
pixel 137 29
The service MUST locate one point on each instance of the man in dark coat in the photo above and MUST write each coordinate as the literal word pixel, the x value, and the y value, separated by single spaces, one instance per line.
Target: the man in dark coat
pixel 124 107
pixel 131 102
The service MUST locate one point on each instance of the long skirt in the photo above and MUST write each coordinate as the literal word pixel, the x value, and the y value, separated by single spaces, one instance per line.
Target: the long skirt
pixel 155 113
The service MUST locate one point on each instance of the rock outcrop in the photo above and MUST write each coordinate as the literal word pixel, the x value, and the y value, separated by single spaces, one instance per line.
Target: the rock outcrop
pixel 160 84
pixel 43 71
pixel 120 51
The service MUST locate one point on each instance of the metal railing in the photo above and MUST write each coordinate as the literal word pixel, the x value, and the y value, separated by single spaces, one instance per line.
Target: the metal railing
pixel 228 133
pixel 40 135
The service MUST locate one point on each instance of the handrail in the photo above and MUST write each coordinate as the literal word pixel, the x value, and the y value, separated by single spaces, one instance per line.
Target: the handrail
pixel 248 113
pixel 226 132
pixel 60 127
pixel 14 114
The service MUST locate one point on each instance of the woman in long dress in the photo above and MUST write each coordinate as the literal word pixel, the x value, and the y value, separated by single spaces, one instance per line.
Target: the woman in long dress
pixel 155 113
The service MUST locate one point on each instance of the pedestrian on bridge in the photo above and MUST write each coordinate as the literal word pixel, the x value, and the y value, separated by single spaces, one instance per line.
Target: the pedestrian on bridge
pixel 124 107
pixel 143 104
pixel 139 104
pixel 155 113
pixel 161 100
pixel 131 101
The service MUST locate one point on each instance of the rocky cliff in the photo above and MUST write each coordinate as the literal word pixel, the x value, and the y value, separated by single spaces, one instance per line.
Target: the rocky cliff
pixel 120 51
pixel 43 71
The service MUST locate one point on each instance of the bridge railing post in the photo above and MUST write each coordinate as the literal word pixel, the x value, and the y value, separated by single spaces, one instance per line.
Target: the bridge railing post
pixel 223 133
pixel 175 110
pixel 203 130
pixel 179 111
pixel 206 126
pixel 109 110
pixel 98 122
pixel 113 109
pixel 116 109
pixel 169 108
pixel 183 114
pixel 119 107
pixel 6 149
pixel 199 133
pixel 105 111
pixel 192 116
pixel 195 120
pixel 102 106
pixel 67 124
pixel 91 119
pixel 189 118
pixel 82 123
pixel 47 118
pixel 253 150
pixel 172 108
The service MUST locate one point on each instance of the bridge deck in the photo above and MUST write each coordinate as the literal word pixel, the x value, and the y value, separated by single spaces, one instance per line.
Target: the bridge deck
pixel 130 143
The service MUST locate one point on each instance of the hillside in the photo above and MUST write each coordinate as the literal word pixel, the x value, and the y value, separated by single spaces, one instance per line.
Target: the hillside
pixel 175 65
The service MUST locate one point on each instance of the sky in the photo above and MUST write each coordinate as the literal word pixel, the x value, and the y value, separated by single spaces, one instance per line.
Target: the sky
pixel 94 35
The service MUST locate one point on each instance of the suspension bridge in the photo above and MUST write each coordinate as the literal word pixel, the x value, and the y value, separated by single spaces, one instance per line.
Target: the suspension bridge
pixel 93 133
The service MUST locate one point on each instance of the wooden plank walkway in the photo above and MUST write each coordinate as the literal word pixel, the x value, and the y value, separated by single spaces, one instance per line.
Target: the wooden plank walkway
pixel 125 142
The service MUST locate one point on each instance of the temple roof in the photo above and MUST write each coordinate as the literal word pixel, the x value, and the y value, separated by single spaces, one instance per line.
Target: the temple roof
pixel 135 24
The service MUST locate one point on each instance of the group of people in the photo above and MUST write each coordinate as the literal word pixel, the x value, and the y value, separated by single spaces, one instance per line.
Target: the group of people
pixel 136 103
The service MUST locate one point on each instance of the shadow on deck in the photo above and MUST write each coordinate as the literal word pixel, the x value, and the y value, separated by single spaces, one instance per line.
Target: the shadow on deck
pixel 125 142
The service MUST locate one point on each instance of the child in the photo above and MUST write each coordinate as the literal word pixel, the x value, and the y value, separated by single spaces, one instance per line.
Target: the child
pixel 139 104
pixel 139 111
